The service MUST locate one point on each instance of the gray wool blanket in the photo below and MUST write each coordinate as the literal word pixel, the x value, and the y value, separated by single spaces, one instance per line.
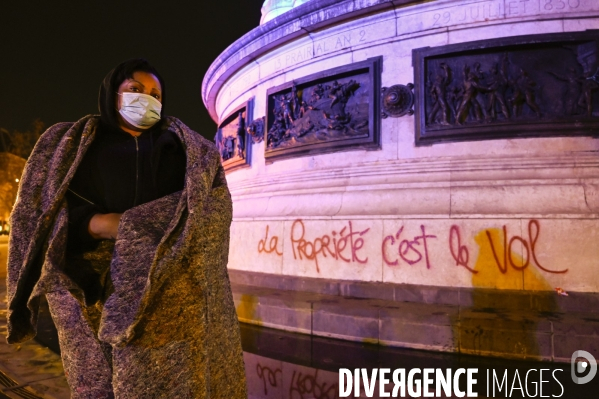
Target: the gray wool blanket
pixel 163 324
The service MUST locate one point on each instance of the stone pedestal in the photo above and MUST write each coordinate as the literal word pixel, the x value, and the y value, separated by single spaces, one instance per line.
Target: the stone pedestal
pixel 503 214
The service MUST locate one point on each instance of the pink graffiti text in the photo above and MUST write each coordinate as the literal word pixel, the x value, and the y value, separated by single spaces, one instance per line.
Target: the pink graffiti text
pixel 344 246
pixel 410 251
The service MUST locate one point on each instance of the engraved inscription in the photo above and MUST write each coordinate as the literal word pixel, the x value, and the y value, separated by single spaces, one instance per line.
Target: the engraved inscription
pixel 560 5
pixel 296 56
pixel 483 11
pixel 317 49
pixel 362 35
pixel 491 10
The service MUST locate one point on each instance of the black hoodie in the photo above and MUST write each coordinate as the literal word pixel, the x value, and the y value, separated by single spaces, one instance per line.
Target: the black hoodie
pixel 120 171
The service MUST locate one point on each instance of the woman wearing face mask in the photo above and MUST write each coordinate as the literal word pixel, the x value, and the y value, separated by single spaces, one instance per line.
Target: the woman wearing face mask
pixel 122 221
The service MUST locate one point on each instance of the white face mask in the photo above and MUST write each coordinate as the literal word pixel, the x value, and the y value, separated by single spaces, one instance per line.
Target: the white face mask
pixel 140 110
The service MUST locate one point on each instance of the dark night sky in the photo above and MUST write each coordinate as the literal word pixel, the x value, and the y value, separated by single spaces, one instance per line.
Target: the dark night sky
pixel 54 54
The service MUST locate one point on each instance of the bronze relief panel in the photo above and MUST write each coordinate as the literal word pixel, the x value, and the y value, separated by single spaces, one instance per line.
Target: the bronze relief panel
pixel 330 111
pixel 231 138
pixel 525 86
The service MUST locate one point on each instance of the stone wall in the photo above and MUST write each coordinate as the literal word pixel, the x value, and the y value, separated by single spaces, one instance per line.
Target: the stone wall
pixel 507 213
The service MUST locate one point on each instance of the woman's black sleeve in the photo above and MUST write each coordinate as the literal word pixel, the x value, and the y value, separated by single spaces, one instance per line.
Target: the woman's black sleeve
pixel 80 213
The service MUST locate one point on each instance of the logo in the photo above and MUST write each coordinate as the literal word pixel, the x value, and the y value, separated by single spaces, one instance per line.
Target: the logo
pixel 580 367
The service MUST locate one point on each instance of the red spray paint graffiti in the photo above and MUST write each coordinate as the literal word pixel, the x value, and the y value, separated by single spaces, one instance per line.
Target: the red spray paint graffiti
pixel 272 245
pixel 458 251
pixel 307 386
pixel 407 249
pixel 348 246
pixel 334 245
pixel 533 236
pixel 266 374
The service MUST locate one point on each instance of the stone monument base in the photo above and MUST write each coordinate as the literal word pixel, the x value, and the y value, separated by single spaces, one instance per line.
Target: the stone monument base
pixel 530 325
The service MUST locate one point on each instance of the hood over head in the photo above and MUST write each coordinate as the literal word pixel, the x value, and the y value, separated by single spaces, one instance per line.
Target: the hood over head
pixel 109 88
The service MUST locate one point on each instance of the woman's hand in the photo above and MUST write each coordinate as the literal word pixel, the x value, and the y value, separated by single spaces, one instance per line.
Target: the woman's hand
pixel 104 226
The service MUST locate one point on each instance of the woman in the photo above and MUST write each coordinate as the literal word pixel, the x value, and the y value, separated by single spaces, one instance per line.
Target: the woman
pixel 122 221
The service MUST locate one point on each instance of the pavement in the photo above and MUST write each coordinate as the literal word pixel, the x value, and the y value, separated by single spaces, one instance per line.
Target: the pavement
pixel 27 370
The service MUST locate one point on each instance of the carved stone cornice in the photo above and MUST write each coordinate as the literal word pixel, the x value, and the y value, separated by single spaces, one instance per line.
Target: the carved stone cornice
pixel 293 24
